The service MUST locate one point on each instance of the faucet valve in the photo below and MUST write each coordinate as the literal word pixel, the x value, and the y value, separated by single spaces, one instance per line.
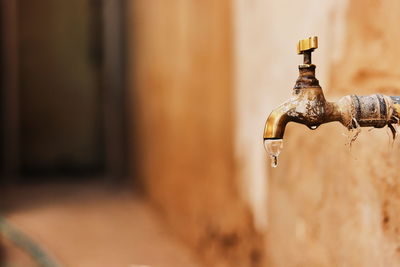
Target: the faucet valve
pixel 306 47
pixel 307 77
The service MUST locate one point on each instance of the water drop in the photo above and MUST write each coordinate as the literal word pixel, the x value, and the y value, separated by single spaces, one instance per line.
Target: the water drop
pixel 313 127
pixel 274 161
pixel 274 148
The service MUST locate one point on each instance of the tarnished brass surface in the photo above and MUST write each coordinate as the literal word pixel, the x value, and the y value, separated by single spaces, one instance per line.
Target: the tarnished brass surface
pixel 308 105
pixel 307 44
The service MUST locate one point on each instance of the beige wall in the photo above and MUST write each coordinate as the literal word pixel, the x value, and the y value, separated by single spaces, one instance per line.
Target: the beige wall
pixel 204 77
pixel 266 34
pixel 329 206
pixel 182 78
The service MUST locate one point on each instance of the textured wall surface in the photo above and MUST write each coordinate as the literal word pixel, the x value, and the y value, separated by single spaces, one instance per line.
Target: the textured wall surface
pixel 266 34
pixel 204 77
pixel 329 205
pixel 181 80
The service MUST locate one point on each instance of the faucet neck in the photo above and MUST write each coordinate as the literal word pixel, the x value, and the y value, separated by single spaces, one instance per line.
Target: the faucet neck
pixel 306 77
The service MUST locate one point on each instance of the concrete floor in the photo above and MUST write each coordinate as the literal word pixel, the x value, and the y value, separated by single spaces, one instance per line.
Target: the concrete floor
pixel 94 225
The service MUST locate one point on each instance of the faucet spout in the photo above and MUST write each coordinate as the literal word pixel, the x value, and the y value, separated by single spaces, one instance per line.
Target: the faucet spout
pixel 276 124
pixel 307 106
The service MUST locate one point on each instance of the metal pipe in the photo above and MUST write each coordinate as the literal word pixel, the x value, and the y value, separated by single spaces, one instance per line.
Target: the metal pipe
pixel 311 109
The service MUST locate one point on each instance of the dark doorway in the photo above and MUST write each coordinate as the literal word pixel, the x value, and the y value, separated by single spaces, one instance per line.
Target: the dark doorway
pixel 63 92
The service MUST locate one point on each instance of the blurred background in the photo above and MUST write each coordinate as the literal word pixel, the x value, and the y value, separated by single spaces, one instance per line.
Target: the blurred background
pixel 131 134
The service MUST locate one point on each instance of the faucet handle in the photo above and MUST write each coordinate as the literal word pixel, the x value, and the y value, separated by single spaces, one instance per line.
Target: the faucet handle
pixel 306 46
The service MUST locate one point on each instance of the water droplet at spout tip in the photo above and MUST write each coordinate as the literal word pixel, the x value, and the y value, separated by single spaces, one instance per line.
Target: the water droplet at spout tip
pixel 274 148
pixel 274 161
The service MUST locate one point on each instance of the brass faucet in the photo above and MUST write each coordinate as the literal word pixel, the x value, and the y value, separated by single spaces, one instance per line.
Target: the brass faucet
pixel 308 105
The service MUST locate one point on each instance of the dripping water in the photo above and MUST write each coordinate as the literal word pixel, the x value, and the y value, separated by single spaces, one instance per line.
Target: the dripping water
pixel 392 133
pixel 354 132
pixel 394 128
pixel 274 148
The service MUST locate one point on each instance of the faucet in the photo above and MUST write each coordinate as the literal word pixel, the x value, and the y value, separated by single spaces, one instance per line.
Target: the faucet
pixel 308 105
